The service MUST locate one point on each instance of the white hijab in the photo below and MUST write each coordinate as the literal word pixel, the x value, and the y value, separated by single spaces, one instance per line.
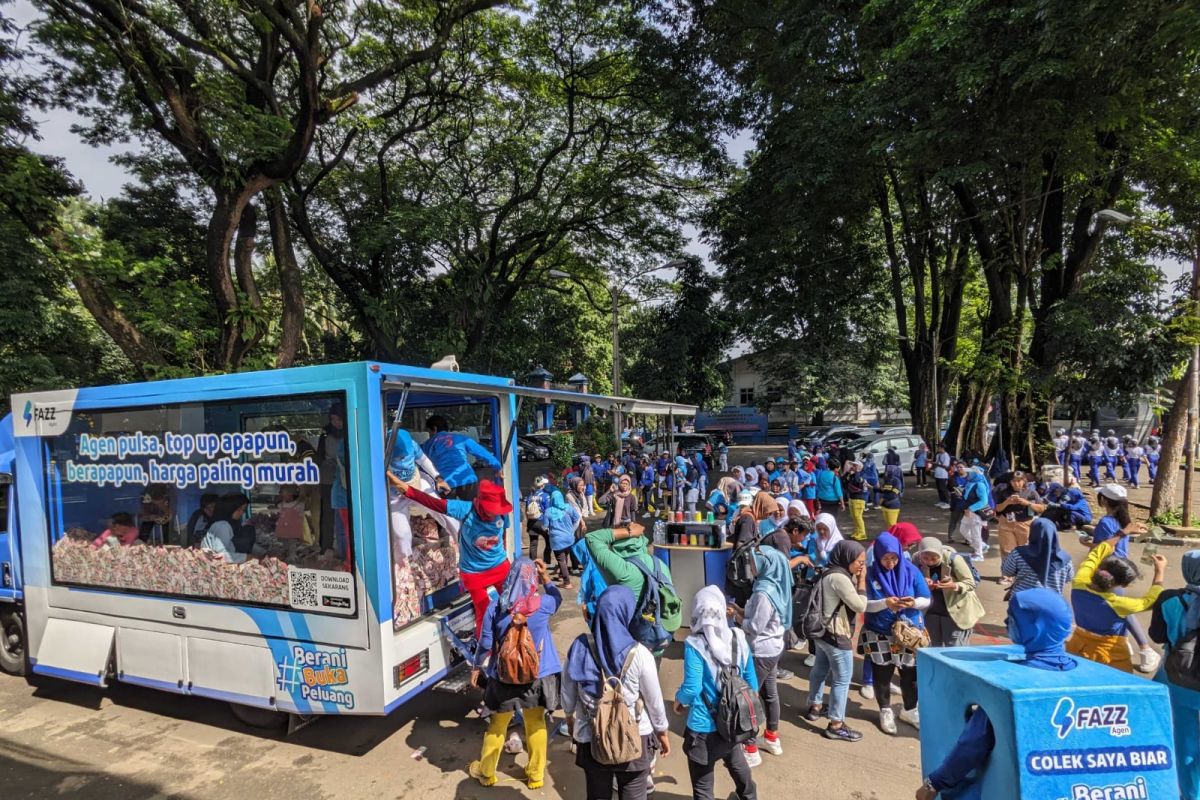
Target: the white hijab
pixel 711 634
pixel 799 505
pixel 825 546
pixel 751 476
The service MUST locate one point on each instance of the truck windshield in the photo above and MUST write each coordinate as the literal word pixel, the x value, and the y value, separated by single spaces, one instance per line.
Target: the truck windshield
pixel 243 501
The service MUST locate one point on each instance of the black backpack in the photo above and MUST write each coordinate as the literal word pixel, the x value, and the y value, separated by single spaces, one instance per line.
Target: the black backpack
pixel 741 572
pixel 1180 664
pixel 814 624
pixel 739 712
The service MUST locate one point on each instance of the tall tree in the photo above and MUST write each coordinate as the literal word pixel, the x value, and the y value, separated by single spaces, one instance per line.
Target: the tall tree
pixel 238 91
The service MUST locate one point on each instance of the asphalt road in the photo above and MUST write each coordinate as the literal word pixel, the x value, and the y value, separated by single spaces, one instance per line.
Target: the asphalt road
pixel 128 743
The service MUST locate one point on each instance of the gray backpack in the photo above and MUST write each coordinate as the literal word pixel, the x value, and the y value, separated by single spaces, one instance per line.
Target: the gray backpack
pixel 615 736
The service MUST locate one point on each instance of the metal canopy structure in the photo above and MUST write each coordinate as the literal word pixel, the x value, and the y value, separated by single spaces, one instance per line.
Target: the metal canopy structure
pixel 625 405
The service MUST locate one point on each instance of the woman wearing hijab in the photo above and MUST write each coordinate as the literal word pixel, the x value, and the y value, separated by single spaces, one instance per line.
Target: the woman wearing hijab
pixel 843 599
pixel 1040 622
pixel 1176 615
pixel 518 597
pixel 856 490
pixel 954 605
pixel 976 497
pixel 632 665
pixel 765 620
pixel 621 501
pixel 907 534
pixel 896 592
pixel 891 491
pixel 711 647
pixel 1041 562
pixel 767 512
pixel 870 474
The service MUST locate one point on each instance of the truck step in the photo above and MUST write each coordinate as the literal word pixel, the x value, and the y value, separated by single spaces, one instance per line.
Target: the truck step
pixel 457 682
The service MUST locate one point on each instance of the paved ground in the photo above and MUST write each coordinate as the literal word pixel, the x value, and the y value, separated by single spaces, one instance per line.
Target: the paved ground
pixel 64 740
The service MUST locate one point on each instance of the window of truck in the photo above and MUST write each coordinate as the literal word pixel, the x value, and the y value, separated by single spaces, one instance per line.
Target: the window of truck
pixel 244 501
pixel 425 545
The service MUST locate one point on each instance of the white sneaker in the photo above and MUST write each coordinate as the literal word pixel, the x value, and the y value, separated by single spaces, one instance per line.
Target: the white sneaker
pixel 810 660
pixel 513 744
pixel 772 746
pixel 896 691
pixel 753 758
pixel 1150 661
pixel 887 721
pixel 912 717
pixel 867 691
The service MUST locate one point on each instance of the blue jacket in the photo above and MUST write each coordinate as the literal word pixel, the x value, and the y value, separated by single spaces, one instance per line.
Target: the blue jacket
pixel 539 627
pixel 449 451
pixel 699 688
pixel 828 485
pixel 562 519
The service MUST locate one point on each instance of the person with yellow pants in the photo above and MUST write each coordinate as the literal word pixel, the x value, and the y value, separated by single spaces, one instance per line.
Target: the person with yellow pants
pixel 856 490
pixel 512 684
pixel 891 489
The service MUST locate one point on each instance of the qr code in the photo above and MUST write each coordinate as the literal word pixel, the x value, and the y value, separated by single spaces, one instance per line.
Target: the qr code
pixel 302 585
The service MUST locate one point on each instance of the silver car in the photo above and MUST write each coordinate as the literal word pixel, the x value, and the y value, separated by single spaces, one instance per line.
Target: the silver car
pixel 906 447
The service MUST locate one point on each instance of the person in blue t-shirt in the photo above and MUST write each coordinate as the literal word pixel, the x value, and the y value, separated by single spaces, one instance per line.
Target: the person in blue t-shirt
pixel 450 453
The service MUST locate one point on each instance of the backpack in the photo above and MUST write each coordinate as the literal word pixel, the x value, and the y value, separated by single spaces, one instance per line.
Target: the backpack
pixel 814 624
pixel 533 509
pixel 657 594
pixel 1181 665
pixel 970 565
pixel 615 736
pixel 739 711
pixel 517 659
pixel 740 572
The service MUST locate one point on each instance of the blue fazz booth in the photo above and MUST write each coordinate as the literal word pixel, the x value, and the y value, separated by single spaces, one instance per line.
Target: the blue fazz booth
pixel 1091 733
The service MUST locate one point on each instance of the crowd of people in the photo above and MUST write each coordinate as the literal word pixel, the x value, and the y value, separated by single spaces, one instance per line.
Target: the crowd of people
pixel 809 588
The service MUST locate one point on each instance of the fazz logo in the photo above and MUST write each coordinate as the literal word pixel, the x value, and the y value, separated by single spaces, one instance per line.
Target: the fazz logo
pixel 27 415
pixel 1068 718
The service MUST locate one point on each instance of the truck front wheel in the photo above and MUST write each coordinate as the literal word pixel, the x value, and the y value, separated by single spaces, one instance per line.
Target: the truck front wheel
pixel 12 643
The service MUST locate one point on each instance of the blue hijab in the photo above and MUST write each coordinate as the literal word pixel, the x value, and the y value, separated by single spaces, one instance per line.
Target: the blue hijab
pixel 775 581
pixel 1039 620
pixel 1191 574
pixel 899 580
pixel 1043 554
pixel 591 582
pixel 610 630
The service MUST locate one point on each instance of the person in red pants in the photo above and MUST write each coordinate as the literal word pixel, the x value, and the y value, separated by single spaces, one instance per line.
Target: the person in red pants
pixel 483 559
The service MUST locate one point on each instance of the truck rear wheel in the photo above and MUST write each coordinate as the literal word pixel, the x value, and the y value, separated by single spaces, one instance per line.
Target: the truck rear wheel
pixel 262 718
pixel 12 643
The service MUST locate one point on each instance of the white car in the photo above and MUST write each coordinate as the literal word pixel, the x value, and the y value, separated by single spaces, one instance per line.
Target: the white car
pixel 906 447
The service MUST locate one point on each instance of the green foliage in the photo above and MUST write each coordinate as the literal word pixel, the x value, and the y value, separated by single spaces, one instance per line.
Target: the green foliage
pixel 677 347
pixel 595 436
pixel 562 450
pixel 1170 518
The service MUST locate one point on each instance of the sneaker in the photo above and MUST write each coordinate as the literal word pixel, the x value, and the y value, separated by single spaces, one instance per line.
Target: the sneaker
pixel 772 746
pixel 867 691
pixel 814 713
pixel 784 674
pixel 841 733
pixel 810 660
pixel 753 757
pixel 978 559
pixel 911 717
pixel 887 721
pixel 1150 661
pixel 513 744
pixel 896 690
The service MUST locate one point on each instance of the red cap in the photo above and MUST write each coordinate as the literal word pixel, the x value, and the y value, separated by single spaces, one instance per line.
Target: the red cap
pixel 491 499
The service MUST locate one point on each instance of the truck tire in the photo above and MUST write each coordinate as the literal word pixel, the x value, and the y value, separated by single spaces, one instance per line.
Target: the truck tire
pixel 261 718
pixel 12 643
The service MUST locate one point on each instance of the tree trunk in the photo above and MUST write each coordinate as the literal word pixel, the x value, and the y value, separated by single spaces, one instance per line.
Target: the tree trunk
pixel 222 226
pixel 291 288
pixel 141 353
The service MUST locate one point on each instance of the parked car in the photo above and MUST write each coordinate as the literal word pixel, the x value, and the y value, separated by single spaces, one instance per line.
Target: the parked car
pixel 847 436
pixel 906 447
pixel 532 450
pixel 691 443
pixel 822 435
pixel 900 430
